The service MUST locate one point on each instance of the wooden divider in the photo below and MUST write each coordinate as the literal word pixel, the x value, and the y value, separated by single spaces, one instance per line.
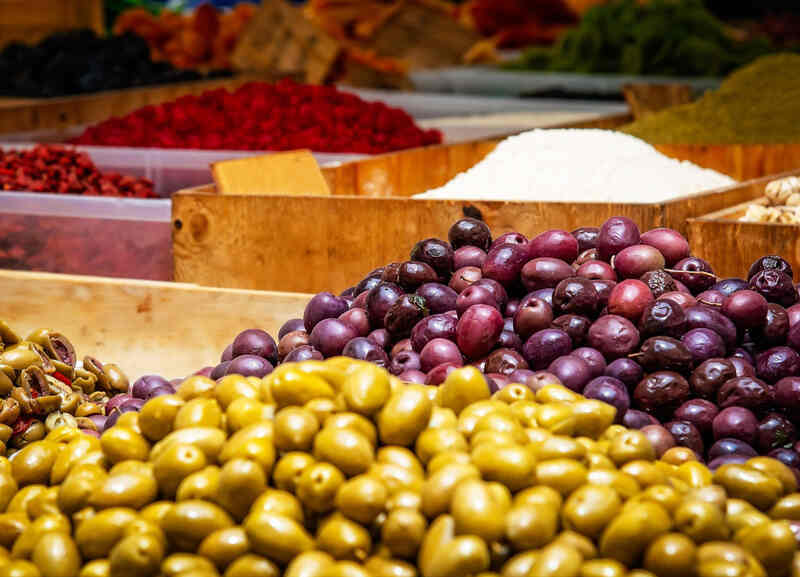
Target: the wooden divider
pixel 171 329
pixel 739 161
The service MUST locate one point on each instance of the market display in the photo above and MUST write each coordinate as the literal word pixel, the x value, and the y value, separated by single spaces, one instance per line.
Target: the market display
pixel 204 38
pixel 61 170
pixel 337 468
pixel 782 203
pixel 658 37
pixel 45 386
pixel 758 104
pixel 511 172
pixel 80 61
pixel 259 116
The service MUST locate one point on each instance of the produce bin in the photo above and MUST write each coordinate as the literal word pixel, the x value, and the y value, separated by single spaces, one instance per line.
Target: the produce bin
pixel 145 327
pixel 732 246
pixel 315 243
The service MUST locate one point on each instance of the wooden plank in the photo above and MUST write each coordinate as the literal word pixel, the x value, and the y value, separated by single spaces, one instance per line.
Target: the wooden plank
pixel 30 21
pixel 732 246
pixel 60 114
pixel 171 329
pixel 739 161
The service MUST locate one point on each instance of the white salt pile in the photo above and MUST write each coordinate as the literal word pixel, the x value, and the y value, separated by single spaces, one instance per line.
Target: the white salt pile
pixel 578 165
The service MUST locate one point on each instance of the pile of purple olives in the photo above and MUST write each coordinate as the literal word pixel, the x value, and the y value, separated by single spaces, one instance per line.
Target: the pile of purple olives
pixel 629 318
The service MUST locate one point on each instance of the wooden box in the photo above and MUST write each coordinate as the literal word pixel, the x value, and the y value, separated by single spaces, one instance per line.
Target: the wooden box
pixel 316 243
pixel 739 161
pixel 732 246
pixel 61 114
pixel 145 327
pixel 32 20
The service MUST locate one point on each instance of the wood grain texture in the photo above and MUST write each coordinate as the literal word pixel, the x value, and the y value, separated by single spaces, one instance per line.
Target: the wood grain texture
pixel 60 114
pixel 32 20
pixel 732 246
pixel 742 162
pixel 171 329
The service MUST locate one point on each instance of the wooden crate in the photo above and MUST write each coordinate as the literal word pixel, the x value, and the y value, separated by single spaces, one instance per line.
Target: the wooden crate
pixel 739 161
pixel 61 114
pixel 166 328
pixel 732 246
pixel 32 20
pixel 315 243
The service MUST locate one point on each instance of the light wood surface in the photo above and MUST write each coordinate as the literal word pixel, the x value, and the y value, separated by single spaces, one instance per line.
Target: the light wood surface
pixel 732 246
pixel 289 173
pixel 60 114
pixel 739 161
pixel 172 329
pixel 32 20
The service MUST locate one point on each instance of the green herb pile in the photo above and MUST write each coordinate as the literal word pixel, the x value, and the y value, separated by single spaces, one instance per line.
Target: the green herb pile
pixel 662 37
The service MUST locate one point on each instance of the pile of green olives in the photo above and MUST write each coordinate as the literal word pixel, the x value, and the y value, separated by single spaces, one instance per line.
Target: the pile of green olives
pixel 44 387
pixel 337 469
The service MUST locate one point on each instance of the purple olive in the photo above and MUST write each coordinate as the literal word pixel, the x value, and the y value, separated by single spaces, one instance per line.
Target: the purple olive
pixel 614 336
pixel 382 338
pixel 470 232
pixel 370 281
pixel 747 392
pixel 576 326
pixel 532 316
pixel 573 372
pixel 357 318
pixel 287 327
pixel 365 350
pixel 695 273
pixel 440 298
pixel 629 299
pixel 686 435
pixel 545 294
pixel 586 237
pixel 500 294
pixel 775 431
pixel 468 256
pixel 636 419
pixel 464 277
pixel 254 366
pixel 596 270
pixel 715 464
pixel 737 423
pixel 505 362
pixel 436 253
pixel 794 314
pixel 496 381
pixel 404 314
pixel 586 256
pixel 664 353
pixel 504 263
pixel 391 273
pixel 304 353
pixel 255 342
pixel 413 274
pixel 324 305
pixel 227 354
pixel 698 412
pixel 776 363
pixel 669 242
pixel 728 286
pixel 329 337
pixel 142 386
pixel 475 295
pixel 509 340
pixel 703 344
pixel 742 367
pixel 683 299
pixel 433 327
pixel 509 238
pixel 360 301
pixel 660 282
pixel 788 457
pixel 219 371
pixel 575 295
pixel 512 306
pixel 160 391
pixel 771 262
pixel 611 391
pixel 544 346
pixel 711 298
pixel 603 288
pixel 775 286
pixel 544 272
pixel 400 346
pixel 438 374
pixel 660 437
pixel 625 370
pixel 787 393
pixel 439 351
pixel 775 328
pixel 616 234
pixel 700 317
pixel 99 421
pixel 707 379
pixel 557 244
pixel 731 446
pixel 746 308
pixel 660 393
pixel 539 379
pixel 114 402
pixel 412 376
pixel 478 330
pixel 634 261
pixel 593 358
pixel 379 300
pixel 663 317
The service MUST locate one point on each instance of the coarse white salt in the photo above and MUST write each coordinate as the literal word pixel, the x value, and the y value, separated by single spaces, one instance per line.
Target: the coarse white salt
pixel 579 165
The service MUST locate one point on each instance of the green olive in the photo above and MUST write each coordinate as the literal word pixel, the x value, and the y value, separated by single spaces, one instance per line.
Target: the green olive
pixel 188 522
pixel 400 456
pixel 25 544
pixel 366 389
pixel 354 421
pixel 541 495
pixel 629 446
pixel 207 439
pixel 96 568
pixel 32 464
pixel 559 447
pixel 671 555
pixel 125 490
pixel 520 564
pixel 324 408
pixel 295 428
pixel 362 498
pixel 557 560
pixel 514 466
pixel 343 538
pixel 243 412
pixel 497 422
pixel 199 412
pixel 622 483
pixel 20 568
pixel 627 536
pixel 557 418
pixel 438 489
pixel 603 568
pixel 233 387
pixel 252 566
pixel 787 507
pixel 224 546
pixel 241 482
pixel 8 488
pixel 175 463
pixel 261 451
pixel 96 536
pixel 309 564
pixel 122 444
pixel 116 378
pixel 345 569
pixel 196 386
pixel 514 392
pixel 56 555
pixel 295 387
pixel 663 495
pixel 646 473
pixel 470 415
pixel 443 418
pixel 531 526
pixel 442 554
pixel 701 521
pixel 276 537
pixel 431 442
pixel 402 531
pixel 279 503
pixel 158 415
pixel 181 563
pixel 772 544
pixel 463 387
pixel 289 468
pixel 20 502
pixel 480 508
pixel 563 475
pixel 752 485
pixel 69 455
pixel 381 567
pixel 405 415
pixel 202 484
pixel 11 527
pixel 581 543
pixel 347 449
pixel 679 455
pixel 589 509
pixel 446 458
